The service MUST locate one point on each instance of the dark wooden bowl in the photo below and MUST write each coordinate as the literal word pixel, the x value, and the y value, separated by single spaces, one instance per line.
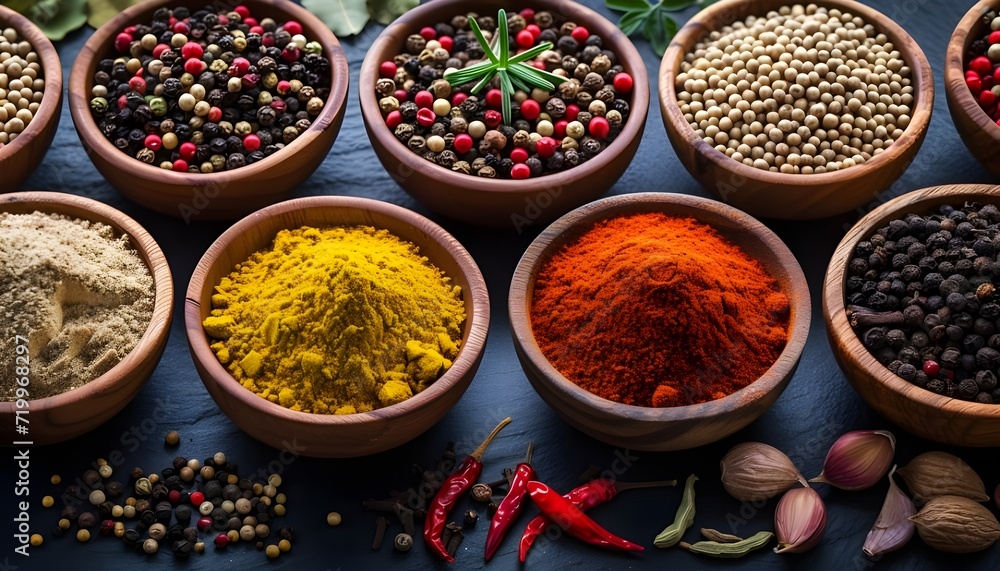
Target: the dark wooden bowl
pixel 791 196
pixel 647 428
pixel 490 201
pixel 979 133
pixel 328 435
pixel 920 411
pixel 70 414
pixel 20 158
pixel 223 195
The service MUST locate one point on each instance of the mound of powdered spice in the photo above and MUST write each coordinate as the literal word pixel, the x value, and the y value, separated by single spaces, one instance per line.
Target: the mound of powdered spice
pixel 654 310
pixel 336 320
pixel 81 295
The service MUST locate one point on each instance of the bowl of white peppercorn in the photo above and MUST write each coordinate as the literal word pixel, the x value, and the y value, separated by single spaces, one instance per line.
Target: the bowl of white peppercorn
pixel 30 97
pixel 792 111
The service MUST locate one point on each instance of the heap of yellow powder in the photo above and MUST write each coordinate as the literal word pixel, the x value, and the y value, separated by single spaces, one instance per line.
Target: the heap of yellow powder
pixel 336 320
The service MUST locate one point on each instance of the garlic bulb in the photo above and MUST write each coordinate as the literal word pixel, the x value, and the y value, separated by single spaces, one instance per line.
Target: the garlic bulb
pixel 754 471
pixel 893 527
pixel 799 520
pixel 858 459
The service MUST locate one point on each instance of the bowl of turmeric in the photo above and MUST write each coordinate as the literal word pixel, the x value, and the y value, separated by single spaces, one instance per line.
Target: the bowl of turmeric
pixel 349 325
pixel 659 321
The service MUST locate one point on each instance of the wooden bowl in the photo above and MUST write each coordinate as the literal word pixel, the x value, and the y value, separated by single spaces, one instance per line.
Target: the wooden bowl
pixel 920 411
pixel 791 196
pixel 225 195
pixel 20 158
pixel 979 133
pixel 647 428
pixel 491 201
pixel 328 435
pixel 70 414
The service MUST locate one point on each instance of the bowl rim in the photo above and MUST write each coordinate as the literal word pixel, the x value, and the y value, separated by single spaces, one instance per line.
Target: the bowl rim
pixel 568 226
pixel 696 28
pixel 412 20
pixel 476 300
pixel 834 304
pixel 95 142
pixel 52 73
pixel 156 332
pixel 954 78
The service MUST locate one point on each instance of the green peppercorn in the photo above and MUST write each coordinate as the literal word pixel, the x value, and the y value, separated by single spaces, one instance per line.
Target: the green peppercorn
pixel 159 106
pixel 313 48
pixel 99 105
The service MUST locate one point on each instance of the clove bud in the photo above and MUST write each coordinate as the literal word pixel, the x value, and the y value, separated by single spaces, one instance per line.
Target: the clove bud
pixel 799 520
pixel 893 527
pixel 956 524
pixel 934 474
pixel 754 471
pixel 858 459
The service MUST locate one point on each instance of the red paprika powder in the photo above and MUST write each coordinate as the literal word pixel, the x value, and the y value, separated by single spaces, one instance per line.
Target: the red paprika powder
pixel 654 310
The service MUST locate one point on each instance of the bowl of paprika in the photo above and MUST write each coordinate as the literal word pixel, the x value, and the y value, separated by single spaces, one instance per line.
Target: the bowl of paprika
pixel 659 321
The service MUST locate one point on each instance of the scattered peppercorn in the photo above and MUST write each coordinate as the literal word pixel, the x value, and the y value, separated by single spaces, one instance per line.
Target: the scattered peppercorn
pixel 333 518
pixel 37 540
pixel 403 542
pixel 173 438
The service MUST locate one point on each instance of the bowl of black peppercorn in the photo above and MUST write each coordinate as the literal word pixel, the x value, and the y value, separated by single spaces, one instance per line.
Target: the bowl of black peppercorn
pixel 249 178
pixel 912 309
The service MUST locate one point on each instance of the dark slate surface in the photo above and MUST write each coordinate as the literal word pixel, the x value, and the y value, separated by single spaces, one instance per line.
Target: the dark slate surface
pixel 817 406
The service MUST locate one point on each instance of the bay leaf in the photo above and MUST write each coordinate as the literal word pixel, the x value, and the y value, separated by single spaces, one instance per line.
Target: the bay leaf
pixel 385 11
pixel 344 17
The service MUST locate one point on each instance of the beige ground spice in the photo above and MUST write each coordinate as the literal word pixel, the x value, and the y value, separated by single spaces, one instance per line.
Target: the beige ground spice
pixel 81 296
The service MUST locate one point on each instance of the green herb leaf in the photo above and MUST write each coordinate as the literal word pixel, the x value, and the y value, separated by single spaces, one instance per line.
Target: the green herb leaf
pixel 57 18
pixel 676 5
pixel 531 54
pixel 485 81
pixel 506 91
pixel 344 17
pixel 385 11
pixel 503 39
pixel 627 5
pixel 482 40
pixel 659 29
pixel 99 12
pixel 632 21
pixel 524 73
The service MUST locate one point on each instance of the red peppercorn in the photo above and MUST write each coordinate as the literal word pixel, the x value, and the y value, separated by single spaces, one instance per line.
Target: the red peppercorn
pixel 387 69
pixel 996 74
pixel 267 40
pixel 242 10
pixel 204 523
pixel 546 147
pixel 446 42
pixel 159 49
pixel 197 497
pixel 153 142
pixel 257 30
pixel 393 119
pixel 122 102
pixel 170 22
pixel 560 128
pixel 458 98
pixel 181 28
pixel 401 95
pixel 527 14
pixel 221 541
pixel 428 33
pixel 175 495
pixel 291 53
pixel 239 67
pixel 130 30
pixel 572 110
pixel 623 82
pixel 426 117
pixel 981 65
pixel 424 99
pixel 223 19
pixel 192 50
pixel 463 143
pixel 252 22
pixel 214 115
pixel 519 154
pixel 279 105
pixel 180 165
pixel 293 27
pixel 492 118
pixel 137 84
pixel 107 526
pixel 520 171
pixel 195 66
pixel 494 98
pixel 580 34
pixel 931 368
pixel 987 98
pixel 123 41
pixel 524 39
pixel 534 30
pixel 974 84
pixel 599 128
pixel 251 142
pixel 530 109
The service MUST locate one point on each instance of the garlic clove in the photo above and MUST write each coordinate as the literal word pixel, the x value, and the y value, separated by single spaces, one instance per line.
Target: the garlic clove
pixel 754 471
pixel 934 474
pixel 799 520
pixel 955 524
pixel 893 527
pixel 858 459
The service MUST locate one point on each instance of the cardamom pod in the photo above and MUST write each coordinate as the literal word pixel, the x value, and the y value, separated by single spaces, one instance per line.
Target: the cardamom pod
pixel 934 474
pixel 754 471
pixel 730 550
pixel 671 536
pixel 719 537
pixel 956 524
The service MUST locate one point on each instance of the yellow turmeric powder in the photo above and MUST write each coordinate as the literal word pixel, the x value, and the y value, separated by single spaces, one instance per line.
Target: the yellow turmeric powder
pixel 336 320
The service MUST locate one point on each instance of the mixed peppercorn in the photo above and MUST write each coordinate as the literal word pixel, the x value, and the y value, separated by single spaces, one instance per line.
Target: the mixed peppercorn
pixel 921 296
pixel 209 91
pixel 548 131
pixel 982 67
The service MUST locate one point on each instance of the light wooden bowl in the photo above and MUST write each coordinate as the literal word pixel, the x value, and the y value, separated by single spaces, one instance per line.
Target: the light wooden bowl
pixel 791 196
pixel 328 435
pixel 920 411
pixel 497 202
pixel 20 158
pixel 647 428
pixel 225 195
pixel 70 414
pixel 978 131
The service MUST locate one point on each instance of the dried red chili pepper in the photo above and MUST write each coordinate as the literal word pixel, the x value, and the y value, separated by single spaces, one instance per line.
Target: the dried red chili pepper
pixel 451 491
pixel 573 521
pixel 511 506
pixel 591 494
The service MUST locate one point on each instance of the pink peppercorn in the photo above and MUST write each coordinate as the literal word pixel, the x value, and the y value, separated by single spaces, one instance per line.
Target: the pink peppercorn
pixel 494 98
pixel 492 118
pixel 252 22
pixel 974 84
pixel 987 98
pixel 180 165
pixel 580 34
pixel 123 41
pixel 223 19
pixel 153 142
pixel 291 53
pixel 527 13
pixel 107 526
pixel 257 30
pixel 520 171
pixel 122 102
pixel 175 495
pixel 192 50
pixel 538 64
pixel 221 541
pixel 428 33
pixel 446 42
pixel 524 39
pixel 187 150
pixel 458 99
pixel 195 66
pixel 137 84
pixel 242 10
pixel 215 115
pixel 623 82
pixel 204 523
pixel 293 27
pixel 981 65
pixel 534 30
pixel 530 109
pixel 560 128
pixel 463 143
pixel 599 128
pixel 239 67
pixel 423 99
pixel 393 119
pixel 284 87
pixel 251 142
pixel 426 117
pixel 572 110
pixel 197 498
pixel 546 147
pixel 159 49
pixel 401 95
pixel 130 30
pixel 931 368
pixel 519 154
pixel 181 28
pixel 387 69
